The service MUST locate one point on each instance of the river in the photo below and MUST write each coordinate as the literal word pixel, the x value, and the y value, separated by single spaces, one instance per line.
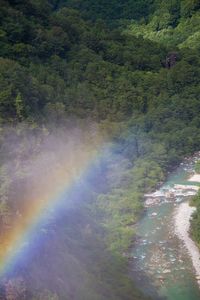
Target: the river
pixel 162 266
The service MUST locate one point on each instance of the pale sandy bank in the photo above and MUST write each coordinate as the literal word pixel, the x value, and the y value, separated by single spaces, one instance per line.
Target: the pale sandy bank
pixel 195 178
pixel 182 226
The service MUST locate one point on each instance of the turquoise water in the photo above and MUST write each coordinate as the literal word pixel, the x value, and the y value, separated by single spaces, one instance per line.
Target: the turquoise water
pixel 161 264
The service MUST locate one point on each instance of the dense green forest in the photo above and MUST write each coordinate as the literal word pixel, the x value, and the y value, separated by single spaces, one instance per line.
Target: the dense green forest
pixel 130 68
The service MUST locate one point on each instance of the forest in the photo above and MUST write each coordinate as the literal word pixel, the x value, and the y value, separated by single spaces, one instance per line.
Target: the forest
pixel 128 71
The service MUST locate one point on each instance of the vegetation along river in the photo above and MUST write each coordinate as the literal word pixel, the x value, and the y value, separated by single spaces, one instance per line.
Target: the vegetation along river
pixel 162 264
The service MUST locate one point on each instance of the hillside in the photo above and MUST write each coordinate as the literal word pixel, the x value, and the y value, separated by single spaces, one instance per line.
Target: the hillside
pixel 174 24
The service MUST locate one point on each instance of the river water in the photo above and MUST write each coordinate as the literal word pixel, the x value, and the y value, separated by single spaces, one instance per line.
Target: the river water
pixel 161 265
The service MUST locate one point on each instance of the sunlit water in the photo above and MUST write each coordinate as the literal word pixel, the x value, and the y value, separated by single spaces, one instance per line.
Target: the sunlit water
pixel 162 266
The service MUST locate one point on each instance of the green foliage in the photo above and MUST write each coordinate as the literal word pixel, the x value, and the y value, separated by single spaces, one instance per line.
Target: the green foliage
pixel 112 10
pixel 46 295
pixel 173 24
pixel 5 214
pixel 19 106
pixel 188 7
pixel 197 167
pixel 195 223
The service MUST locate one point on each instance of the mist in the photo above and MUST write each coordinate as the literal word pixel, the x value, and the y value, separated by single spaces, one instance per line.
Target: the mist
pixel 50 229
pixel 45 182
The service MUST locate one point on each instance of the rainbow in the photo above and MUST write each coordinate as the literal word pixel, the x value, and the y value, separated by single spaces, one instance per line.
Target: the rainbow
pixel 49 190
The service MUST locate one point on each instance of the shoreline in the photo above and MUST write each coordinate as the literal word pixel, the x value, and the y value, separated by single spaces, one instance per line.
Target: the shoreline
pixel 195 178
pixel 182 226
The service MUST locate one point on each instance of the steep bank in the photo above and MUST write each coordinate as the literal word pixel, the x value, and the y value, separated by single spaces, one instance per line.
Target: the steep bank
pixel 182 228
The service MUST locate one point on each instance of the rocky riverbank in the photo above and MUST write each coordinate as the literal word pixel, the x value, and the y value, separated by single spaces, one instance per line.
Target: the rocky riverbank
pixel 182 227
pixel 163 251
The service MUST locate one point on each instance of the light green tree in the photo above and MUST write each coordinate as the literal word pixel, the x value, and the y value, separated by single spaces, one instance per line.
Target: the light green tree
pixel 19 106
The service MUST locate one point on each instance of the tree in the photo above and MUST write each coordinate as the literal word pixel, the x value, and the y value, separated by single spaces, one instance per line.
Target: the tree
pixel 15 289
pixel 188 7
pixel 19 107
pixel 197 167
